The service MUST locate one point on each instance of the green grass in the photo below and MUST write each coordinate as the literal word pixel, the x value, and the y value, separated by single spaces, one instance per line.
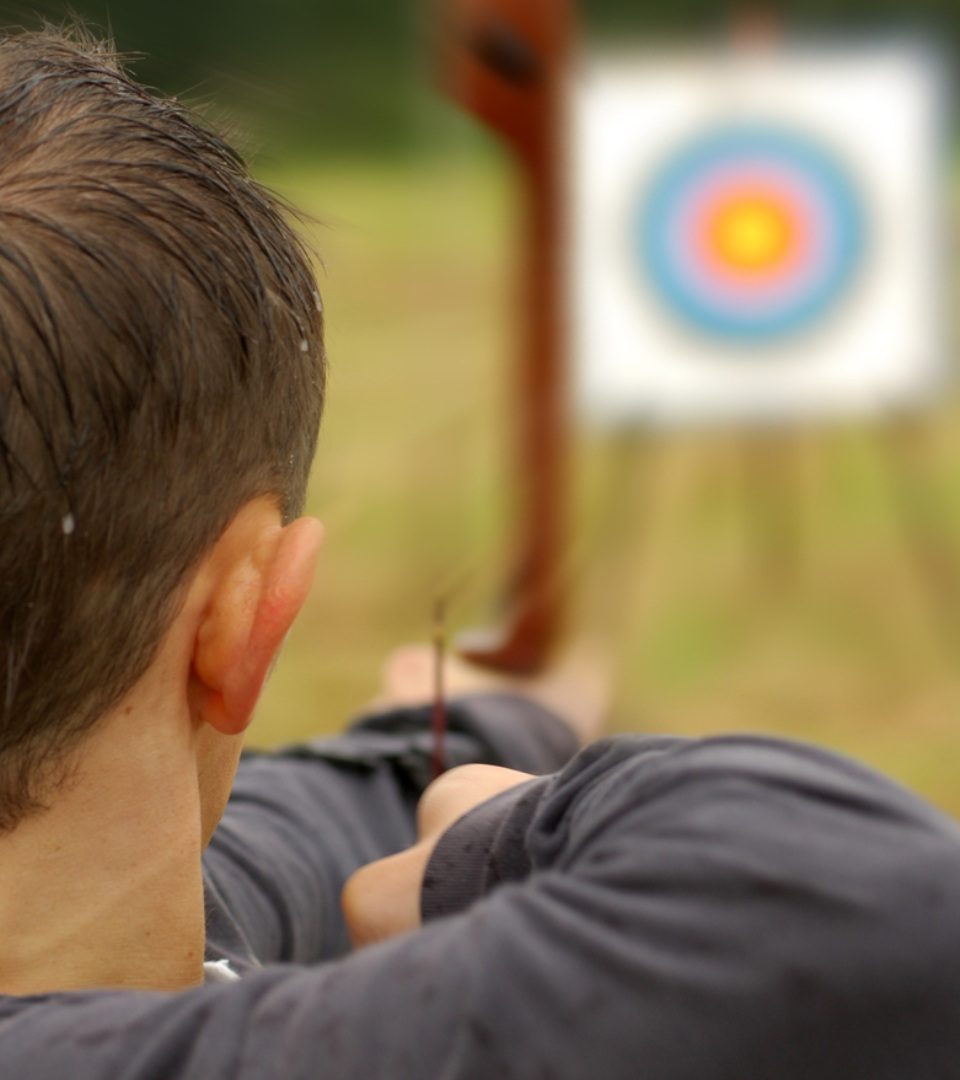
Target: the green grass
pixel 807 585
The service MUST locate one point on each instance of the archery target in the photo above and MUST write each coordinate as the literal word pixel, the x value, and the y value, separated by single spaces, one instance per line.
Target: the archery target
pixel 750 234
pixel 756 237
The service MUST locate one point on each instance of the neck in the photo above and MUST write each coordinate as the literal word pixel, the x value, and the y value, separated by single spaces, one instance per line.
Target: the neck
pixel 105 890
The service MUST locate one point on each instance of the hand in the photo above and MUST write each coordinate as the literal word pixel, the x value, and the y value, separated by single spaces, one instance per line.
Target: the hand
pixel 576 688
pixel 382 899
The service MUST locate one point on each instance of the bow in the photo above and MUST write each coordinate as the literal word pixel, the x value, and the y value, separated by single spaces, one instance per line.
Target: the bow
pixel 505 61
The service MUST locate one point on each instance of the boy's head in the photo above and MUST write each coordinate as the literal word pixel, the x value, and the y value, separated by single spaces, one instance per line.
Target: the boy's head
pixel 161 365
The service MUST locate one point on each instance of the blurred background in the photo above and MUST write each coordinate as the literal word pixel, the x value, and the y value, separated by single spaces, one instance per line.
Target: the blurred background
pixel 803 582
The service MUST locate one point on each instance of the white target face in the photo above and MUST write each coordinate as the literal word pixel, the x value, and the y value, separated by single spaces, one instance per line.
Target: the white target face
pixel 757 238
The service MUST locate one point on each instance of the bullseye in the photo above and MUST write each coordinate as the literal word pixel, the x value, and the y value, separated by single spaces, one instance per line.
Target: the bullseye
pixel 750 233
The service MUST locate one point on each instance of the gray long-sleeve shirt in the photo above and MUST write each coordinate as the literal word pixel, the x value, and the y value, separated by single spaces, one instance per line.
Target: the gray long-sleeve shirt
pixel 665 909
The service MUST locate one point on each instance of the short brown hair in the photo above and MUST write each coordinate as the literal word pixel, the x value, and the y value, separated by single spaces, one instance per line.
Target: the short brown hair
pixel 161 363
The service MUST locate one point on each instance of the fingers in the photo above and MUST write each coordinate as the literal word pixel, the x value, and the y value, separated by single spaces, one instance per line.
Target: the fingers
pixel 458 792
pixel 408 674
pixel 382 900
pixel 576 687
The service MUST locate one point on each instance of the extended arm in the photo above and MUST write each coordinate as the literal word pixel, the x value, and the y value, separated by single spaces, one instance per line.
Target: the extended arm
pixel 300 822
pixel 729 908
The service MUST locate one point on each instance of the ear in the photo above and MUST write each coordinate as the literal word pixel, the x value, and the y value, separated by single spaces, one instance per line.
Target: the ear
pixel 258 577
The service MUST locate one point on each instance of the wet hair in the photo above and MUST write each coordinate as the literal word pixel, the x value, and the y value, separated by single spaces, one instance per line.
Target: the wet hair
pixel 161 364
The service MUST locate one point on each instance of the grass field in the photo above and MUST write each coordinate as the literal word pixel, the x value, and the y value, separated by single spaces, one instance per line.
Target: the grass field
pixel 804 584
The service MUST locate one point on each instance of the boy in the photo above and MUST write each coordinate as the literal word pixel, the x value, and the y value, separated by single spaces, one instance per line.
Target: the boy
pixel 728 908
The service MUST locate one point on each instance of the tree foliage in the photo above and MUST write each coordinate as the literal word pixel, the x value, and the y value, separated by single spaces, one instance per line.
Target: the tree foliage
pixel 348 73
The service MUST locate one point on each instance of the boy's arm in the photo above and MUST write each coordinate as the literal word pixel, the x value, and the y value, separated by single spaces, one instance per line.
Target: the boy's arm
pixel 301 821
pixel 730 908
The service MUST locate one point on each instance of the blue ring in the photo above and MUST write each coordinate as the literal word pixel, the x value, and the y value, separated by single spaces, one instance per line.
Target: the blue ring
pixel 657 207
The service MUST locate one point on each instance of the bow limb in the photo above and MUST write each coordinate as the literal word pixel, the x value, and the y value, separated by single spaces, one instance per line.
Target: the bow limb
pixel 506 61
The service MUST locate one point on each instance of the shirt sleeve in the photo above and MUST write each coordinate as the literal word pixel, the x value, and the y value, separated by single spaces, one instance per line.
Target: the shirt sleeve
pixel 301 821
pixel 734 908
